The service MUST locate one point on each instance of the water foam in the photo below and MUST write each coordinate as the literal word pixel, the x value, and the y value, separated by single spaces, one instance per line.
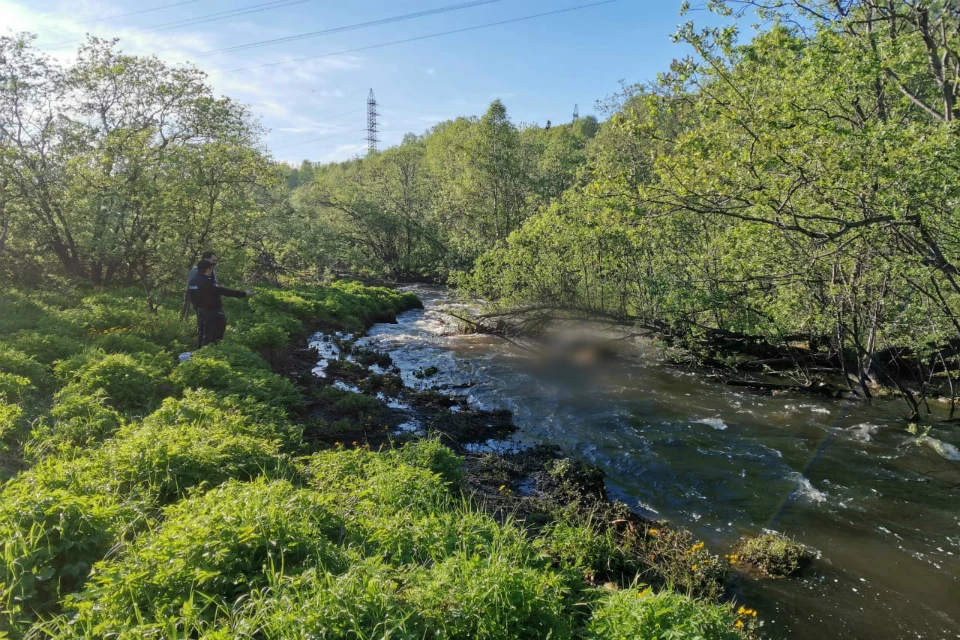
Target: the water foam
pixel 945 449
pixel 806 491
pixel 715 423
pixel 864 432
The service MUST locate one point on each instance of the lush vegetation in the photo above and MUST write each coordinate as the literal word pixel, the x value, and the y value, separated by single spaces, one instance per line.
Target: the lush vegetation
pixel 783 203
pixel 149 499
pixel 792 196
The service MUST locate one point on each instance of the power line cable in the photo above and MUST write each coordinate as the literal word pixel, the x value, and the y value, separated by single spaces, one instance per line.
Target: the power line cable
pixel 351 27
pixel 137 13
pixel 122 15
pixel 211 17
pixel 425 37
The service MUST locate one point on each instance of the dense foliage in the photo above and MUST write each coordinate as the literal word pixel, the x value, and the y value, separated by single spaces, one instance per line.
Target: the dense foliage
pixel 799 189
pixel 436 202
pixel 142 498
pixel 791 198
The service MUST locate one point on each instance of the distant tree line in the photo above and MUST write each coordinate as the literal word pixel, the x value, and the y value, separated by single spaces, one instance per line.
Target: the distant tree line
pixel 436 202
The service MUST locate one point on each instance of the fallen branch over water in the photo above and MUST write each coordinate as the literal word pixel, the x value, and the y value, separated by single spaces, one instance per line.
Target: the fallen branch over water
pixel 773 388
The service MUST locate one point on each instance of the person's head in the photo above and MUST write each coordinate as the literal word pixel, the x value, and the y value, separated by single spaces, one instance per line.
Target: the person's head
pixel 205 267
pixel 210 257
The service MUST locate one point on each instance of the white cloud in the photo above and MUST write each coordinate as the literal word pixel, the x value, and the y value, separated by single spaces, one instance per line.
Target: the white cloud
pixel 287 97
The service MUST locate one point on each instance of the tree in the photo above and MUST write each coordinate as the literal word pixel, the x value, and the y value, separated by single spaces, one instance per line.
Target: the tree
pixel 122 167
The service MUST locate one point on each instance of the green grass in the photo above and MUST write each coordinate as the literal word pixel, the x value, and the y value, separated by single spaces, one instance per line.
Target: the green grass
pixel 163 500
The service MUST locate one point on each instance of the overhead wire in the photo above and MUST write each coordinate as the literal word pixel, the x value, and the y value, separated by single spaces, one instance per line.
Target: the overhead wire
pixel 137 13
pixel 121 15
pixel 352 27
pixel 210 17
pixel 419 38
pixel 242 11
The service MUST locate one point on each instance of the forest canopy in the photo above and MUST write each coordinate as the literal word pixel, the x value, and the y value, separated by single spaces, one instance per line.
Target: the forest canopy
pixel 796 187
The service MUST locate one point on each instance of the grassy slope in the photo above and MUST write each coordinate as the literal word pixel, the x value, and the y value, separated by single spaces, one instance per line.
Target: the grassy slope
pixel 146 499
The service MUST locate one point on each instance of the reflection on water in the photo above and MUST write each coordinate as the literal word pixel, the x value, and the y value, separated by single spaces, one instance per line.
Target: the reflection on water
pixel 841 477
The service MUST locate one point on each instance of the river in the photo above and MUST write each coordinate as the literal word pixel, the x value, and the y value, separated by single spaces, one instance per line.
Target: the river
pixel 878 505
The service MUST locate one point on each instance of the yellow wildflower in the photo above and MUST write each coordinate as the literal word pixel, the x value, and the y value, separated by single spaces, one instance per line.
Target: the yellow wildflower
pixel 694 567
pixel 502 487
pixel 653 532
pixel 739 624
pixel 644 593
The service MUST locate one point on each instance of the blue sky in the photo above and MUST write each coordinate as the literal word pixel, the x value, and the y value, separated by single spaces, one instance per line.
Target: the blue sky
pixel 315 108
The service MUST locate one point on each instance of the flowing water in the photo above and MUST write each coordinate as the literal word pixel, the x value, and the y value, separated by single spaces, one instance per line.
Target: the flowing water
pixel 878 504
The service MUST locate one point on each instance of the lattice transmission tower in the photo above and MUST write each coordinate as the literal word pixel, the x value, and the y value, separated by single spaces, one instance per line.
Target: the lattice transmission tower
pixel 576 112
pixel 372 130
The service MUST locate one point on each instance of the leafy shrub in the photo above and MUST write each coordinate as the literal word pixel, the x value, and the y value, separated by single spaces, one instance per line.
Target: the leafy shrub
pixel 235 370
pixel 14 388
pixel 261 335
pixel 239 416
pixel 130 384
pixel 497 594
pixel 17 313
pixel 83 420
pixel 45 348
pixel 772 554
pixel 65 370
pixel 430 454
pixel 161 462
pixel 107 312
pixel 19 363
pixel 592 552
pixel 144 465
pixel 10 423
pixel 237 356
pixel 49 539
pixel 639 613
pixel 363 602
pixel 221 544
pixel 286 301
pixel 125 311
pixel 573 481
pixel 126 343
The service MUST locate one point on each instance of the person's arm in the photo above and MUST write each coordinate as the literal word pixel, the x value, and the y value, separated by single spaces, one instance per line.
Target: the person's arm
pixel 232 293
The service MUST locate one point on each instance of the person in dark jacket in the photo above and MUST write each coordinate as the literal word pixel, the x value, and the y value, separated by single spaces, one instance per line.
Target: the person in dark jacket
pixel 211 257
pixel 206 295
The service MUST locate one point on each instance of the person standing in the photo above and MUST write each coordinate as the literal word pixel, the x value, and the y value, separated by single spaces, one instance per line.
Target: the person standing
pixel 209 256
pixel 206 295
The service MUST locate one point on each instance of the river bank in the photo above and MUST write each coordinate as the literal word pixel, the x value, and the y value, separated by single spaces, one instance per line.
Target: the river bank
pixel 206 499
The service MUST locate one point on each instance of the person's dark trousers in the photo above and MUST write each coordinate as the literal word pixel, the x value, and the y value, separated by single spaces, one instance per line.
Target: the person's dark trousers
pixel 211 325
